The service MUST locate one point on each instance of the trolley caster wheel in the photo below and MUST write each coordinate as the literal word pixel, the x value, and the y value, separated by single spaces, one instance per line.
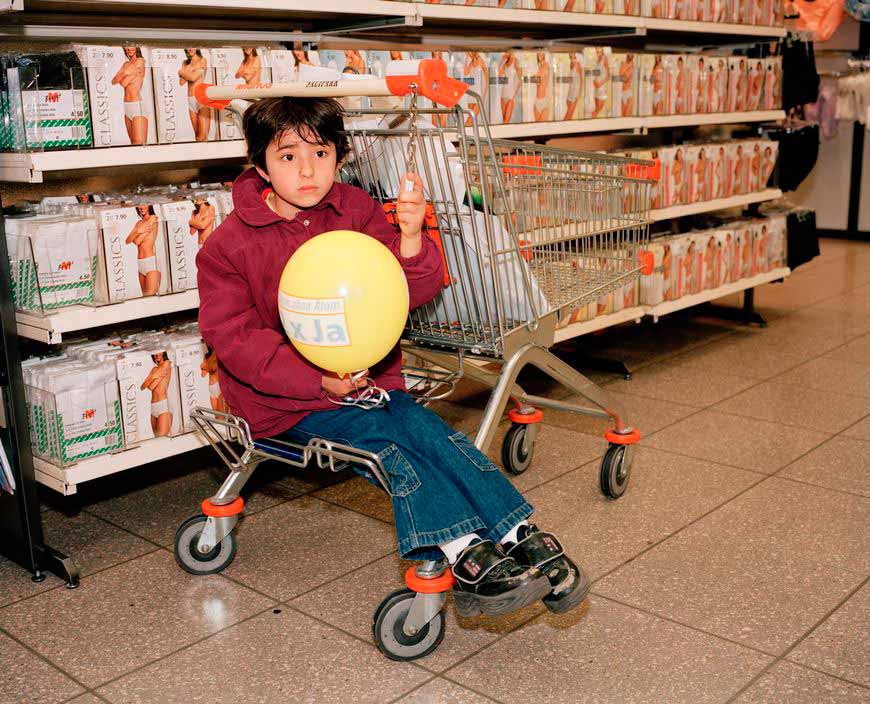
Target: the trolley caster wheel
pixel 615 470
pixel 516 453
pixel 188 556
pixel 387 630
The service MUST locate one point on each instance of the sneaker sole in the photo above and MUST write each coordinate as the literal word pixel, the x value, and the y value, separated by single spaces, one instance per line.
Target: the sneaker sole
pixel 570 601
pixel 468 605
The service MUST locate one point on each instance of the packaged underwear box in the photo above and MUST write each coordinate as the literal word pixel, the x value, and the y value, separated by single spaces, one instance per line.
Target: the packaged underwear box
pixel 189 223
pixel 772 93
pixel 121 94
pixel 568 86
pixel 755 84
pixel 505 88
pixel 677 84
pixel 150 402
pixel 624 85
pixel 180 118
pixel 191 357
pixel 738 77
pixel 470 68
pixel 132 260
pixel 46 103
pixel 537 87
pixel 598 86
pixel 246 66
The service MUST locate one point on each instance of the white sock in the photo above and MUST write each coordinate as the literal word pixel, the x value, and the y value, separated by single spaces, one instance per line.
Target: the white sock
pixel 454 547
pixel 511 536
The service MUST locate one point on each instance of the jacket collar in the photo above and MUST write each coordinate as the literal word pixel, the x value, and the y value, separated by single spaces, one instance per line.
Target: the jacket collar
pixel 249 191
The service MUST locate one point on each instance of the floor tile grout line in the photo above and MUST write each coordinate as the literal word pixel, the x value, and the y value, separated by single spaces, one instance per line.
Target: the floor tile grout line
pixel 800 640
pixel 680 529
pixel 83 577
pixel 803 482
pixel 40 656
pixel 676 622
pixel 823 672
pixel 184 647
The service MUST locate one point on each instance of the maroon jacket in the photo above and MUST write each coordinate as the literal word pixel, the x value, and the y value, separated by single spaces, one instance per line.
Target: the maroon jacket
pixel 262 376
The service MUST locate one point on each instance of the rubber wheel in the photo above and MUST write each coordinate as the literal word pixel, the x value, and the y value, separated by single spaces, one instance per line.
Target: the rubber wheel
pixel 615 470
pixel 191 560
pixel 514 457
pixel 389 619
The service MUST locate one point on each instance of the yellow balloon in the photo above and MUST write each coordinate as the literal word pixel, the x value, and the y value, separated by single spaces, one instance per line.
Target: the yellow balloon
pixel 343 300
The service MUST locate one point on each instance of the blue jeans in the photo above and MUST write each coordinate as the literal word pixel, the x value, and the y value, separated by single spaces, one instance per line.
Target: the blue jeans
pixel 443 486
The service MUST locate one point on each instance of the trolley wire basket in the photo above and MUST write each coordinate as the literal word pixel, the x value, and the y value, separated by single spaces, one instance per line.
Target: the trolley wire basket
pixel 526 232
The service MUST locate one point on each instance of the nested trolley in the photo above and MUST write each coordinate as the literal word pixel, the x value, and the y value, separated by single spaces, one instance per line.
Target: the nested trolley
pixel 527 235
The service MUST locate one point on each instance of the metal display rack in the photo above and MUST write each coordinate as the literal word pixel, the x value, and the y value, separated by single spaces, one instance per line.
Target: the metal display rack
pixel 20 518
pixel 285 20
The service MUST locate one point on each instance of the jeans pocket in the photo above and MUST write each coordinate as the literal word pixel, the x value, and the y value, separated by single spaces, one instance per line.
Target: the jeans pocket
pixel 472 454
pixel 403 478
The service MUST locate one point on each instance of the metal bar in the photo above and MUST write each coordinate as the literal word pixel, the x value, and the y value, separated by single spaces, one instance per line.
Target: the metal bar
pixel 373 25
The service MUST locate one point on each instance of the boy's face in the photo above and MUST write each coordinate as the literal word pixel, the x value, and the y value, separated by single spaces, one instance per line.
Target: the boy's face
pixel 301 172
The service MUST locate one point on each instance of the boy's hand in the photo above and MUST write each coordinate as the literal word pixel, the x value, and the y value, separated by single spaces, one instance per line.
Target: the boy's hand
pixel 411 206
pixel 335 386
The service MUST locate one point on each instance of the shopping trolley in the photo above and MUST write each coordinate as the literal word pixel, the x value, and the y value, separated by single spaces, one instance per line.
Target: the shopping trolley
pixel 527 234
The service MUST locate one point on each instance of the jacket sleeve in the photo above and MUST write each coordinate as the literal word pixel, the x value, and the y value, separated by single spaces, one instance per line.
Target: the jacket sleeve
pixel 253 352
pixel 424 271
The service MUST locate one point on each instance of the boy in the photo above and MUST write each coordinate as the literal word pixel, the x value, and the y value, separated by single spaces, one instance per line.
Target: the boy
pixel 448 498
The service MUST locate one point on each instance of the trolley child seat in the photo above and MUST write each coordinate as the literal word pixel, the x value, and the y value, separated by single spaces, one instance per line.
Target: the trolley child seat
pixel 527 234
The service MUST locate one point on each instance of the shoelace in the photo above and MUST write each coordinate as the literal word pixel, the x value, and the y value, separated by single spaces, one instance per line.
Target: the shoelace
pixel 367 397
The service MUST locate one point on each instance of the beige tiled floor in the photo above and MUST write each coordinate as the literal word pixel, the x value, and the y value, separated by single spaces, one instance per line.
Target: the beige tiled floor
pixel 735 568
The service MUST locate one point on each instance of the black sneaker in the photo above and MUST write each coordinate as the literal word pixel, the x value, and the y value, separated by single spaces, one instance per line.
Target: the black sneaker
pixel 489 582
pixel 568 583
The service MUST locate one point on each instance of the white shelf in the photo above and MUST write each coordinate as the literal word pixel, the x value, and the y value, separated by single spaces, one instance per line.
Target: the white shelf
pixel 66 479
pixel 495 16
pixel 712 294
pixel 716 118
pixel 746 30
pixel 599 323
pixel 542 129
pixel 656 311
pixel 30 167
pixel 52 327
pixel 614 124
pixel 709 206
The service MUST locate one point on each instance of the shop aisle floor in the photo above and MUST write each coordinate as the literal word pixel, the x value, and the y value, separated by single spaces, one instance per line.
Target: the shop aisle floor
pixel 735 569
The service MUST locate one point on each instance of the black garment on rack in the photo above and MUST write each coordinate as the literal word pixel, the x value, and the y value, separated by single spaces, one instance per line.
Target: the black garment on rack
pixel 803 240
pixel 798 152
pixel 800 80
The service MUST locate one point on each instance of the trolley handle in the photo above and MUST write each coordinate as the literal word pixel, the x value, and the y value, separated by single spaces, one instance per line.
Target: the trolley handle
pixel 427 77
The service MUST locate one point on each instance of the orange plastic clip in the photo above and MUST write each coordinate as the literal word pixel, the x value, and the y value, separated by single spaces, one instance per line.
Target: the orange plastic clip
pixel 200 92
pixel 432 81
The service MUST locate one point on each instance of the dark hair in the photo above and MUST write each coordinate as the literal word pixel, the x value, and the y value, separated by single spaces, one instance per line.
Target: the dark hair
pixel 267 119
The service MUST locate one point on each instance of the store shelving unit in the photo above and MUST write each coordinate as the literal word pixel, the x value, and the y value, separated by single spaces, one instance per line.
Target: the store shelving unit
pixel 288 20
pixel 32 167
pixel 666 307
pixel 709 206
pixel 52 327
pixel 661 309
pixel 66 479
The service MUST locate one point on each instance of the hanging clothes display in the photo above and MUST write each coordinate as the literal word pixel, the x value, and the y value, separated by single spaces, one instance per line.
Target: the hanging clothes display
pixel 798 152
pixel 853 97
pixel 800 82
